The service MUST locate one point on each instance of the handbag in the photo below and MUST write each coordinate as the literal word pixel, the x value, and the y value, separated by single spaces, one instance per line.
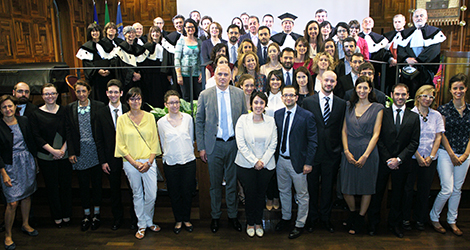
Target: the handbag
pixel 159 174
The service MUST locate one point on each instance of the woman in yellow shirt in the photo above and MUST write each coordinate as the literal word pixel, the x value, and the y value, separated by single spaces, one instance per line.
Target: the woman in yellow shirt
pixel 137 142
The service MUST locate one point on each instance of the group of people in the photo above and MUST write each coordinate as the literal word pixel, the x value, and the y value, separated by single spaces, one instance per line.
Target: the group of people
pixel 276 111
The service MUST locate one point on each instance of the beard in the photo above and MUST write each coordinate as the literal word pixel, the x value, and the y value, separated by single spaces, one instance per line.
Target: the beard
pixel 23 100
pixel 287 66
pixel 233 39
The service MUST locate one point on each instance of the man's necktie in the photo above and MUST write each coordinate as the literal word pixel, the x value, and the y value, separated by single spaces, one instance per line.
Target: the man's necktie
pixel 223 117
pixel 284 133
pixel 265 53
pixel 115 116
pixel 397 120
pixel 288 81
pixel 18 110
pixel 326 113
pixel 233 58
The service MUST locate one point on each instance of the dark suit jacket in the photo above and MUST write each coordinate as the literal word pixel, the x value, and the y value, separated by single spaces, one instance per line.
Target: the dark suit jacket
pixel 340 69
pixel 405 143
pixel 30 108
pixel 259 53
pixel 302 137
pixel 206 49
pixel 6 140
pixel 344 84
pixel 106 134
pixel 329 135
pixel 73 127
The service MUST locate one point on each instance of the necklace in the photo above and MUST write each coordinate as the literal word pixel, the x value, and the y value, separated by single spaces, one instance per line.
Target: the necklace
pixel 425 118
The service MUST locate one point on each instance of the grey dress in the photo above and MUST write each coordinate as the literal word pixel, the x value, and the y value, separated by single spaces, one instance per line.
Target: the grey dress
pixel 23 170
pixel 354 180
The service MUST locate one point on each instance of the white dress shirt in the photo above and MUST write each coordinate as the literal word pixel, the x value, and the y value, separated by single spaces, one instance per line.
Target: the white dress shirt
pixel 228 107
pixel 291 117
pixel 394 108
pixel 291 75
pixel 322 100
pixel 113 114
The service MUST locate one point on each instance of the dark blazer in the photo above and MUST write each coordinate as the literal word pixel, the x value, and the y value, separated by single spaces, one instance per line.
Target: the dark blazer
pixel 340 69
pixel 206 49
pixel 344 84
pixel 405 143
pixel 259 53
pixel 106 134
pixel 73 127
pixel 329 135
pixel 6 140
pixel 302 137
pixel 30 108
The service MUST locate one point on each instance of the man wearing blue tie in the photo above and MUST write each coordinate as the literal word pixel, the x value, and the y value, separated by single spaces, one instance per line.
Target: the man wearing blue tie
pixel 297 137
pixel 287 62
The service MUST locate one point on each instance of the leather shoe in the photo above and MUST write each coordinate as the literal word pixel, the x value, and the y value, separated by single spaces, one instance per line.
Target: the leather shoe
pixel 116 224
pixel 32 233
pixel 406 225
pixel 420 226
pixel 372 230
pixel 282 224
pixel 311 225
pixel 10 247
pixel 215 225
pixel 188 228
pixel 177 230
pixel 438 227
pixel 95 222
pixel 328 226
pixel 235 224
pixel 396 231
pixel 86 223
pixel 296 232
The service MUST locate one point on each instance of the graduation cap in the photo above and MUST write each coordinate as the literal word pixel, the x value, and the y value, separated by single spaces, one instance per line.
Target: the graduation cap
pixel 287 17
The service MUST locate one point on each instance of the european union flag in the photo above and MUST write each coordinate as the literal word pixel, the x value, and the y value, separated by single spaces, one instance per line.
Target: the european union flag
pixel 95 14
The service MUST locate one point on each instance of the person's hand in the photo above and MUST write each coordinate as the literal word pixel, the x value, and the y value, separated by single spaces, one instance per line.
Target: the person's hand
pixel 350 158
pixel 203 155
pixel 168 78
pixel 103 72
pixel 199 79
pixel 259 165
pixel 362 160
pixel 428 161
pixel 393 62
pixel 421 161
pixel 307 169
pixel 105 167
pixel 463 158
pixel 136 77
pixel 145 167
pixel 138 165
pixel 73 159
pixel 6 180
pixel 392 163
pixel 455 160
pixel 411 60
pixel 57 154
pixel 179 79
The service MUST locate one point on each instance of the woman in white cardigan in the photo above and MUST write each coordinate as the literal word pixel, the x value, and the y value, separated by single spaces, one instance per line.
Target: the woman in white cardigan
pixel 256 140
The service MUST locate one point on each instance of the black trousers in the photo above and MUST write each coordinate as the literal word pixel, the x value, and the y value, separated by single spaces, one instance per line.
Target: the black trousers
pixel 186 88
pixel 114 178
pixel 399 177
pixel 272 191
pixel 58 180
pixel 423 177
pixel 254 182
pixel 84 176
pixel 181 181
pixel 323 175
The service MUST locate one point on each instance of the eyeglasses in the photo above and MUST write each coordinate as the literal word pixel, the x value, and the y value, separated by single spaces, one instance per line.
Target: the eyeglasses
pixel 289 95
pixel 49 94
pixel 135 99
pixel 20 91
pixel 173 103
pixel 427 96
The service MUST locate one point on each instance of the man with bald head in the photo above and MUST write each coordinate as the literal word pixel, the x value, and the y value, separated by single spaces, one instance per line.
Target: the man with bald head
pixel 160 23
pixel 328 110
pixel 140 38
pixel 22 91
pixel 218 110
pixel 420 44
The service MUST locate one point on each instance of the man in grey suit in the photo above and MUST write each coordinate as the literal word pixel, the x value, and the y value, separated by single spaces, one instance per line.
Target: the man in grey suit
pixel 218 110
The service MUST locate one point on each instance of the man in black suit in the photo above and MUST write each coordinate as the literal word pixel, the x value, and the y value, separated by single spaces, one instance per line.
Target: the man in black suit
pixel 264 35
pixel 169 42
pixel 367 69
pixel 349 47
pixel 253 25
pixel 348 81
pixel 328 111
pixel 287 62
pixel 399 140
pixel 297 137
pixel 22 91
pixel 105 127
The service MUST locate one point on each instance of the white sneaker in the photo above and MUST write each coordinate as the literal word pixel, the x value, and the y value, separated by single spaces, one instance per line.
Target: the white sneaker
pixel 250 231
pixel 259 232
